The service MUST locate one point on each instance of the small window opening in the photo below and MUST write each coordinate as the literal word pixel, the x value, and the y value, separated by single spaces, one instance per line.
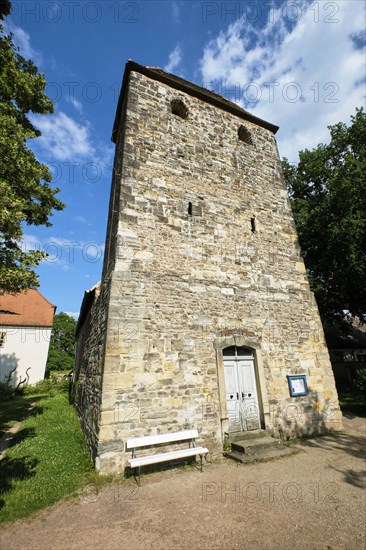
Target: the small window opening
pixel 2 339
pixel 233 351
pixel 190 209
pixel 179 109
pixel 244 135
pixel 252 223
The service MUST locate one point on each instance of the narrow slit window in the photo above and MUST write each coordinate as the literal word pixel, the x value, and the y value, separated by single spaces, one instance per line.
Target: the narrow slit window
pixel 190 209
pixel 252 223
pixel 179 109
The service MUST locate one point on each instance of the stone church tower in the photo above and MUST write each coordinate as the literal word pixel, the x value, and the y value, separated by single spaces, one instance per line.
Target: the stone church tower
pixel 204 309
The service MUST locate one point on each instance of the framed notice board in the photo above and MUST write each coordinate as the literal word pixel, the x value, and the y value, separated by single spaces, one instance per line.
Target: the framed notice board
pixel 297 385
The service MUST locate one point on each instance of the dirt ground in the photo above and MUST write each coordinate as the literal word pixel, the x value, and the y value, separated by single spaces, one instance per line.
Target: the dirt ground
pixel 314 500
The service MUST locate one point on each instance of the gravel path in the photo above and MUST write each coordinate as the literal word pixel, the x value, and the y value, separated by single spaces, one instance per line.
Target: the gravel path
pixel 311 500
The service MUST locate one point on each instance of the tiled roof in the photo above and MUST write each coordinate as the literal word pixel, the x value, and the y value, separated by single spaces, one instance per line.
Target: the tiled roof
pixel 28 308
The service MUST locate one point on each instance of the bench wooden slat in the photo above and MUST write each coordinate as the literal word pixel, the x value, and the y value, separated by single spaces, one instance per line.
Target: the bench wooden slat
pixel 164 457
pixel 137 442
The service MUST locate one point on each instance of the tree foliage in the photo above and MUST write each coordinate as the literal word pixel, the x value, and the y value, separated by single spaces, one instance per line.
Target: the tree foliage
pixel 62 344
pixel 5 7
pixel 26 196
pixel 328 194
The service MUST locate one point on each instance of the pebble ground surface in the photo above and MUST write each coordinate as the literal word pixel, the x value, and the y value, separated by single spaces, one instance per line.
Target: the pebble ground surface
pixel 311 500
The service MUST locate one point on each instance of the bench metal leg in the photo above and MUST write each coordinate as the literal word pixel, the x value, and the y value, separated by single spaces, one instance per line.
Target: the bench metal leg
pixel 201 462
pixel 138 479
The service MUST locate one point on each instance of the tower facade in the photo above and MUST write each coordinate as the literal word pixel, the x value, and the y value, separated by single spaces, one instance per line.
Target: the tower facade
pixel 204 317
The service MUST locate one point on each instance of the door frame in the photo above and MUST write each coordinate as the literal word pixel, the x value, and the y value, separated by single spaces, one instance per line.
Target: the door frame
pixel 241 341
pixel 243 365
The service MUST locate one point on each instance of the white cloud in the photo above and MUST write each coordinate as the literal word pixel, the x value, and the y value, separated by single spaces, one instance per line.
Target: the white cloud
pixel 81 219
pixel 69 149
pixel 176 12
pixel 301 76
pixel 175 57
pixel 63 252
pixel 30 242
pixel 64 138
pixel 76 104
pixel 22 41
pixel 104 158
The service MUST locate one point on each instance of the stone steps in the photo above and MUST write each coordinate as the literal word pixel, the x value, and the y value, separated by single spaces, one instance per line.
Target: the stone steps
pixel 240 436
pixel 256 446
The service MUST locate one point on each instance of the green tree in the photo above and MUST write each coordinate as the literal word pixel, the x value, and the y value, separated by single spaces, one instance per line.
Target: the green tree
pixel 62 344
pixel 328 195
pixel 26 196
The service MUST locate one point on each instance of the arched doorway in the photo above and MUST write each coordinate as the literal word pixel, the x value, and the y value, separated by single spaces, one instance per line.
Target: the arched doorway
pixel 242 402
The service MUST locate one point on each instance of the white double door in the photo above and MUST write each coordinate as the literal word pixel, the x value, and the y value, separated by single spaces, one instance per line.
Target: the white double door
pixel 241 394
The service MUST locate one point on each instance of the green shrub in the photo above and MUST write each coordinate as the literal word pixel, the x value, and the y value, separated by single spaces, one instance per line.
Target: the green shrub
pixel 6 391
pixel 43 386
pixel 48 386
pixel 360 379
pixel 62 386
pixel 62 344
pixel 59 375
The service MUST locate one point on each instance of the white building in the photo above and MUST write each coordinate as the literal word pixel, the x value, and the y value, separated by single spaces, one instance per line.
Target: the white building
pixel 26 321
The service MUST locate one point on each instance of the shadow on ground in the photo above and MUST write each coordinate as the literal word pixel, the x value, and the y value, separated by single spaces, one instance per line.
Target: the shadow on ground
pixel 16 410
pixel 19 468
pixel 353 444
pixel 14 469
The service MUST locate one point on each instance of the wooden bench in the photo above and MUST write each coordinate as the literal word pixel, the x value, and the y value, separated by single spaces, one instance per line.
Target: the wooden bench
pixel 138 442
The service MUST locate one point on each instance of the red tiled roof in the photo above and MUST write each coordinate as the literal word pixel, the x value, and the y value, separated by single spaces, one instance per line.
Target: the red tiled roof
pixel 26 308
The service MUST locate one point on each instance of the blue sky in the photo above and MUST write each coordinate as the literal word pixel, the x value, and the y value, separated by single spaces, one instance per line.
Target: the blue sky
pixel 297 64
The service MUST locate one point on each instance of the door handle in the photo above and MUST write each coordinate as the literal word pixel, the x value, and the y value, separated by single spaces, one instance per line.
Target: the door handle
pixel 237 395
pixel 242 395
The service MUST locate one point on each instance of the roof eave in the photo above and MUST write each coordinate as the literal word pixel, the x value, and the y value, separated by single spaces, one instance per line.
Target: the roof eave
pixel 88 299
pixel 187 87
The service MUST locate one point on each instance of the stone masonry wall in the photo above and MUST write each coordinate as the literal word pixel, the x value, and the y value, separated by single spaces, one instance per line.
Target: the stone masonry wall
pixel 88 371
pixel 186 277
pixel 91 340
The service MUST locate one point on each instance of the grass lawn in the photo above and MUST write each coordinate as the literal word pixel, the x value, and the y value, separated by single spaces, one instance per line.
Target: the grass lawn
pixel 48 458
pixel 12 411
